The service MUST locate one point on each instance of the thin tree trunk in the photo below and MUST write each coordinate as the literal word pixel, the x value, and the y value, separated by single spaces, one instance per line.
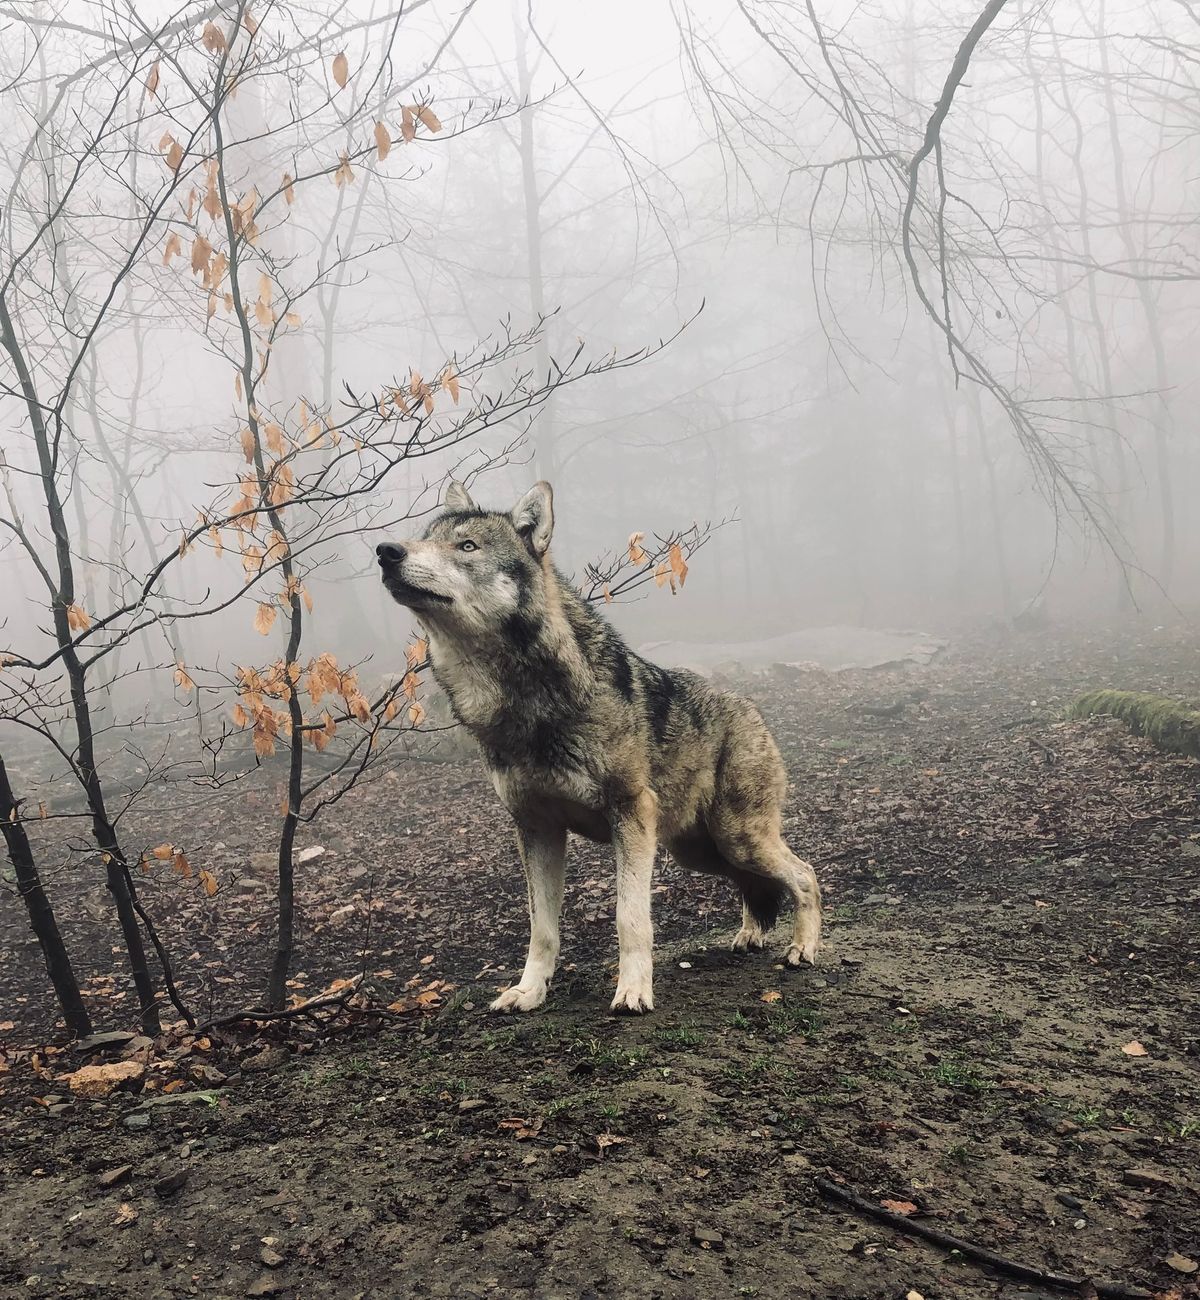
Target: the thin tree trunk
pixel 41 914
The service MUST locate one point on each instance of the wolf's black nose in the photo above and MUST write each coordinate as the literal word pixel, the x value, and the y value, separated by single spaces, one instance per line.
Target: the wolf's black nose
pixel 390 552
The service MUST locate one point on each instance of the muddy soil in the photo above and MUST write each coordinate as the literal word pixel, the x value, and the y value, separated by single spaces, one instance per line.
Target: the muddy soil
pixel 1002 1037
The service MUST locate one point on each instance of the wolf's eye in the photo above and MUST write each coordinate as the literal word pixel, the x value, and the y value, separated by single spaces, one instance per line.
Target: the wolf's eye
pixel 468 545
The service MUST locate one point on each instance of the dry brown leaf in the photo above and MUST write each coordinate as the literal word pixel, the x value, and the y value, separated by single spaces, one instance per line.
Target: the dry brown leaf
pixel 182 680
pixel 172 248
pixel 152 81
pixel 201 252
pixel 163 852
pixel 636 554
pixel 1134 1048
pixel 77 618
pixel 383 141
pixel 289 188
pixel 416 714
pixel 429 118
pixel 771 995
pixel 126 1215
pixel 341 70
pixel 213 38
pixel 678 564
pixel 899 1207
pixel 180 863
pixel 209 881
pixel 408 125
pixel 264 619
pixel 344 174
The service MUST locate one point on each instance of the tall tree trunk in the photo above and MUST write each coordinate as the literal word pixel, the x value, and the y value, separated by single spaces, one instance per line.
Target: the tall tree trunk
pixel 41 914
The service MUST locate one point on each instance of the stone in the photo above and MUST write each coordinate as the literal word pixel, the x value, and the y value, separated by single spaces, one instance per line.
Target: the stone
pixel 111 1177
pixel 270 1058
pixel 136 1121
pixel 171 1184
pixel 95 1081
pixel 708 1238
pixel 1181 1264
pixel 104 1042
pixel 1153 1180
pixel 270 1257
pixel 471 1103
pixel 1071 1202
pixel 265 1285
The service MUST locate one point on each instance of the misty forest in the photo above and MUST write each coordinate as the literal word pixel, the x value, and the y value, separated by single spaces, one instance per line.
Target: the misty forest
pixel 435 431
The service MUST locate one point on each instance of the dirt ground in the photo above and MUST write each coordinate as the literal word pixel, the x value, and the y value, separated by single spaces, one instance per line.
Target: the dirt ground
pixel 1002 1037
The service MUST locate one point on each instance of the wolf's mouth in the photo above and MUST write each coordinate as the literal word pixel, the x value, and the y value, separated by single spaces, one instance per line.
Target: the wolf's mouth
pixel 406 592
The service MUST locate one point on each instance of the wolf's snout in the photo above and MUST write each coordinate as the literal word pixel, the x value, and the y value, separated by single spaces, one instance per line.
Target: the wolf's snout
pixel 390 552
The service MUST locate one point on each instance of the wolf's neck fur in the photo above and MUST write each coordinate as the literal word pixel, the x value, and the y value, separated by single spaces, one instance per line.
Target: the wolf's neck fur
pixel 522 673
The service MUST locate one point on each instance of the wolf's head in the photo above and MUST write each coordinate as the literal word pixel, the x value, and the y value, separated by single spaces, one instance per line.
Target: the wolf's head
pixel 474 569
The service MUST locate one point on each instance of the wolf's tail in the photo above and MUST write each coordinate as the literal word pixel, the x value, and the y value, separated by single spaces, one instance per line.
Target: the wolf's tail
pixel 764 897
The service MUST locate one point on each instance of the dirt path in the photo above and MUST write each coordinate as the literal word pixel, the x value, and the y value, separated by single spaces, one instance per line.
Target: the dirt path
pixel 1012 903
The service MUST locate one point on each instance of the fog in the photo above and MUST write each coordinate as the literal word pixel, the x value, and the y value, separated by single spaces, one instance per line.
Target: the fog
pixel 929 394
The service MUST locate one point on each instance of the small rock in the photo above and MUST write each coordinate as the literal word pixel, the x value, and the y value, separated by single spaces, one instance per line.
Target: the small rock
pixel 202 1072
pixel 343 915
pixel 139 1043
pixel 1181 1264
pixel 104 1042
pixel 270 1058
pixel 138 1120
pixel 1151 1179
pixel 265 1285
pixel 471 1103
pixel 1063 1127
pixel 708 1238
pixel 874 900
pixel 171 1183
pixel 1071 1202
pixel 95 1081
pixel 270 1257
pixel 111 1177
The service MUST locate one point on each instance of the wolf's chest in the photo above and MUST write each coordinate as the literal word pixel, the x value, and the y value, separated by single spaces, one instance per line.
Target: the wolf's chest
pixel 562 796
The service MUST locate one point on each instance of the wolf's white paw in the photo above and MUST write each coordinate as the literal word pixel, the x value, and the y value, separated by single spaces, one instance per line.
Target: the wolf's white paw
pixel 798 956
pixel 633 999
pixel 520 999
pixel 748 939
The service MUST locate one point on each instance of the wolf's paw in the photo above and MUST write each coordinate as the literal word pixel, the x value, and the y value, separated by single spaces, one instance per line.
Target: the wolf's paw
pixel 801 956
pixel 520 999
pixel 748 939
pixel 633 999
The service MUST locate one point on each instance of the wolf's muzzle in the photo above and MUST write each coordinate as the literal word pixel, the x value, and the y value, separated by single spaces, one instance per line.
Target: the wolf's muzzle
pixel 390 553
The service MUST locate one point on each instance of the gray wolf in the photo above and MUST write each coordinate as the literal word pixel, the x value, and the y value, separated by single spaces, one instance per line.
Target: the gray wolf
pixel 580 734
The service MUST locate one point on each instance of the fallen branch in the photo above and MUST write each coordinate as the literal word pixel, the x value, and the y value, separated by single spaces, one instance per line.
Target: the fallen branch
pixel 338 999
pixel 1107 1290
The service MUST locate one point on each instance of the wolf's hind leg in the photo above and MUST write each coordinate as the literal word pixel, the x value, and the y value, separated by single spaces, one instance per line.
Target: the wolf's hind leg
pixel 635 837
pixel 780 873
pixel 542 854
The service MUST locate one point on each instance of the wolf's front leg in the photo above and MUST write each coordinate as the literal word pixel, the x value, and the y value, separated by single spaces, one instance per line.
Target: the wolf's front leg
pixel 635 834
pixel 542 853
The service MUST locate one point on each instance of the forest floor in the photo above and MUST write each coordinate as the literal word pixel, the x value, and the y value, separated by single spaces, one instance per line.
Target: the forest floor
pixel 1002 1038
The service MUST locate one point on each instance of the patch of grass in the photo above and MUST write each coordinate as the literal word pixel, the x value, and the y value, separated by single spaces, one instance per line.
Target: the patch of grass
pixel 498 1040
pixel 1087 1116
pixel 741 1021
pixel 839 746
pixel 1189 1128
pixel 960 1154
pixel 955 1072
pixel 677 1037
pixel 784 1019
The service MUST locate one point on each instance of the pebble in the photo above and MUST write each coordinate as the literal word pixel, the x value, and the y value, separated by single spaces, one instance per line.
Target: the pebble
pixel 111 1177
pixel 1151 1179
pixel 171 1183
pixel 138 1120
pixel 1071 1202
pixel 708 1237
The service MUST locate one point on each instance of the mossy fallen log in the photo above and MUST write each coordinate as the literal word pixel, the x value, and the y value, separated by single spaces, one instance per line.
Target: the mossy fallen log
pixel 1168 723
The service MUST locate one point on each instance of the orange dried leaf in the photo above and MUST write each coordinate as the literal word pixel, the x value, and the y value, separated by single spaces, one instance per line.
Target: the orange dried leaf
pixel 209 881
pixel 181 864
pixel 341 70
pixel 289 188
pixel 264 619
pixel 77 618
pixel 383 141
pixel 152 81
pixel 429 118
pixel 213 38
pixel 408 126
pixel 771 995
pixel 163 852
pixel 201 252
pixel 416 714
pixel 172 248
pixel 344 174
pixel 899 1207
pixel 1134 1048
pixel 182 680
pixel 636 554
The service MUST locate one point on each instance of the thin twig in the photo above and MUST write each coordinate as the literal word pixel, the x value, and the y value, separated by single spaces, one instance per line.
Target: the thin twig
pixel 1108 1290
pixel 340 998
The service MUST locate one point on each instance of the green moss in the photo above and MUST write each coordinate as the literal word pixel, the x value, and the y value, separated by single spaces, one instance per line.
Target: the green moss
pixel 1169 724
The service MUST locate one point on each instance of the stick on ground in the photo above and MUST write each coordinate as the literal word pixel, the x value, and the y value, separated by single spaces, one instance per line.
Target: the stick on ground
pixel 1107 1290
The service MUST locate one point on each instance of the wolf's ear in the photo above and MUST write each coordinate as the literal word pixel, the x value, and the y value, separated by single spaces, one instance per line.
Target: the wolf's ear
pixel 458 498
pixel 533 517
